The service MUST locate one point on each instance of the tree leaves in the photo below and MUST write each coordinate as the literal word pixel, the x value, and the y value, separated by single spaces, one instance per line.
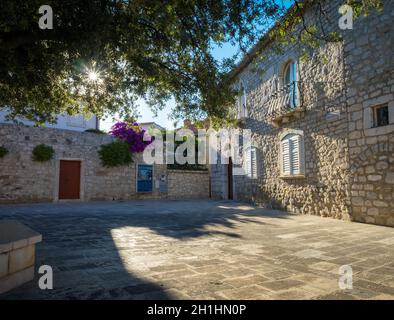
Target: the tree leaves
pixel 157 50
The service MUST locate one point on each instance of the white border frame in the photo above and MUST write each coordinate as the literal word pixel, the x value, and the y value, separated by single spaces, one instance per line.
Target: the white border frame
pixel 369 130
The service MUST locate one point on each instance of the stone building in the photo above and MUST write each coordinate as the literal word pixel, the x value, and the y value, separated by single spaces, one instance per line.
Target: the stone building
pixel 322 129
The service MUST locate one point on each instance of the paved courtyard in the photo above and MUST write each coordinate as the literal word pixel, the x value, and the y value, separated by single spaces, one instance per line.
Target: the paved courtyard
pixel 201 250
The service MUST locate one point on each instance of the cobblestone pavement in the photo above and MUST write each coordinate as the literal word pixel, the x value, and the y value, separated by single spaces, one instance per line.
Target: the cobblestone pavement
pixel 201 250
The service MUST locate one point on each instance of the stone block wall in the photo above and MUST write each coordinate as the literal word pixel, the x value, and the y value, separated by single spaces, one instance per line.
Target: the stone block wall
pixel 187 184
pixel 323 189
pixel 219 181
pixel 348 163
pixel 24 180
pixel 368 54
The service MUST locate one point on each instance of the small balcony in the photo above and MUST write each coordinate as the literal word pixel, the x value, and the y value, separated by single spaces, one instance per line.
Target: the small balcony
pixel 286 103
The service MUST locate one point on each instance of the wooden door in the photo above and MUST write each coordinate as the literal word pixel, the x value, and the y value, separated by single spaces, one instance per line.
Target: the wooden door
pixel 230 178
pixel 69 179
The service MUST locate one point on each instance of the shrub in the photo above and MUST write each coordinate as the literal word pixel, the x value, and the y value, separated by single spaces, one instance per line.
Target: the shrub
pixel 115 154
pixel 3 151
pixel 43 153
pixel 132 134
pixel 95 131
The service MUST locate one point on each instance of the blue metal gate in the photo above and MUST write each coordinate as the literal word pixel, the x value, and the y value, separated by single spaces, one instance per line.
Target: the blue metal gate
pixel 144 178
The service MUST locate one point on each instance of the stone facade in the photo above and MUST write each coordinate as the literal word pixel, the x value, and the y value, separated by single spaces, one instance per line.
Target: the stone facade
pixel 24 180
pixel 369 62
pixel 348 165
pixel 219 181
pixel 188 184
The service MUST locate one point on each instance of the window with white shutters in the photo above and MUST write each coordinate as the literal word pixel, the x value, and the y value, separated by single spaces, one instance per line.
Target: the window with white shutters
pixel 251 162
pixel 292 155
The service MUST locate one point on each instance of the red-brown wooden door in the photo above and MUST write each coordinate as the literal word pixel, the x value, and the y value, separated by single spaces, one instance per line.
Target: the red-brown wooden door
pixel 69 179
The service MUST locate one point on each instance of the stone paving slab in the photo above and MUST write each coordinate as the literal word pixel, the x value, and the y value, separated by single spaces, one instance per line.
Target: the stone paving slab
pixel 201 250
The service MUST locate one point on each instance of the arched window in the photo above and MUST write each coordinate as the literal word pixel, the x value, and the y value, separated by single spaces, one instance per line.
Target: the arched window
pixel 243 112
pixel 292 155
pixel 290 83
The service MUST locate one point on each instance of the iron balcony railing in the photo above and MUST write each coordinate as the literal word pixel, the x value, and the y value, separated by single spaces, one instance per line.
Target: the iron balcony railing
pixel 285 101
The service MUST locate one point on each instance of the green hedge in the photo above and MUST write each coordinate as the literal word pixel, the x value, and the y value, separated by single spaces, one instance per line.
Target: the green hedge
pixel 115 154
pixel 3 151
pixel 43 153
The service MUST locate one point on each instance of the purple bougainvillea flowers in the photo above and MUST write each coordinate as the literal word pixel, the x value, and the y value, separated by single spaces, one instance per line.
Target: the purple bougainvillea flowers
pixel 131 133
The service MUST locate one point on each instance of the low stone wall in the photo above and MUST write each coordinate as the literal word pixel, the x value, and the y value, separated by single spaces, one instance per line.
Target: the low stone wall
pixel 188 184
pixel 25 180
pixel 17 254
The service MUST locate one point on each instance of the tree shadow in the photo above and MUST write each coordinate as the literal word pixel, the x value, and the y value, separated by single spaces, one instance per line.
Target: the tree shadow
pixel 90 260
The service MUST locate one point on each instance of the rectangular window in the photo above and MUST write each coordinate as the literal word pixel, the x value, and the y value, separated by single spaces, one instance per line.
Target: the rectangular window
pixel 292 156
pixel 380 115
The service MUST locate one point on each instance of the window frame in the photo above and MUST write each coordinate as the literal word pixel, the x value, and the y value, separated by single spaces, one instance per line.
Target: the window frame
pixel 294 94
pixel 286 137
pixel 369 129
pixel 375 115
pixel 287 69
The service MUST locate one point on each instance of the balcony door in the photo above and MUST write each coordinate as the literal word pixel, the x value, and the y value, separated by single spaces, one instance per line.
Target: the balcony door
pixel 290 83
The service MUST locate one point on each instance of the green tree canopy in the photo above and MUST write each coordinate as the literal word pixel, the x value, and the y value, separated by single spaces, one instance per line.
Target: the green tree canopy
pixel 103 54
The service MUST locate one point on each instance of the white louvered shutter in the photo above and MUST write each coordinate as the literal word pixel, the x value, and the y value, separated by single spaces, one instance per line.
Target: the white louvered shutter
pixel 286 169
pixel 291 155
pixel 253 162
pixel 247 164
pixel 295 154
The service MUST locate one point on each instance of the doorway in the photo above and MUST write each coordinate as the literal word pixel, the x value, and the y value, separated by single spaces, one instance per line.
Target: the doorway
pixel 144 178
pixel 69 179
pixel 230 178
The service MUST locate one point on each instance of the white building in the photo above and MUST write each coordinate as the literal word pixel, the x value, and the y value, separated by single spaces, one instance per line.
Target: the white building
pixel 150 125
pixel 75 123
